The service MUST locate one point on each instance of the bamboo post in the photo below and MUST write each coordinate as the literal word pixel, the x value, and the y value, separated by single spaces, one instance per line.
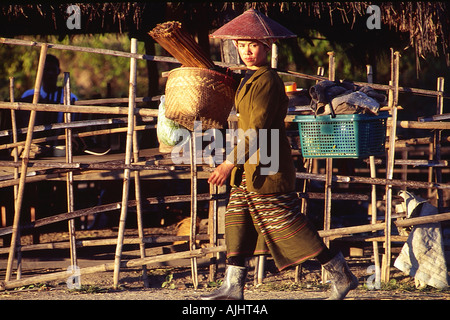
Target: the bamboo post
pixel 431 155
pixel 385 273
pixel 310 162
pixel 193 231
pixel 437 140
pixel 139 214
pixel 25 159
pixel 212 231
pixel 373 174
pixel 376 255
pixel 274 59
pixel 261 269
pixel 328 169
pixel 404 166
pixel 126 174
pixel 327 207
pixel 309 166
pixel 331 66
pixel 329 161
pixel 16 172
pixel 430 193
pixel 212 219
pixel 14 132
pixel 69 180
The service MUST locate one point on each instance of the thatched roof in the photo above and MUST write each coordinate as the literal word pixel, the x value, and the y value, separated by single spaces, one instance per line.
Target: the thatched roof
pixel 50 18
pixel 426 24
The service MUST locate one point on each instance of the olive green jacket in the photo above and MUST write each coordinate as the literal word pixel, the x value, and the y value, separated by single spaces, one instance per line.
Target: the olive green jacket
pixel 262 104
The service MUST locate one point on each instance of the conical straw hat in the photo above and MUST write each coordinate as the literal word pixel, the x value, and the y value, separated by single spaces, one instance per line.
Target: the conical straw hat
pixel 252 24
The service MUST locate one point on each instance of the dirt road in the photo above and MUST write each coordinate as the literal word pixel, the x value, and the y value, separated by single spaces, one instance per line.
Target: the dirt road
pixel 174 283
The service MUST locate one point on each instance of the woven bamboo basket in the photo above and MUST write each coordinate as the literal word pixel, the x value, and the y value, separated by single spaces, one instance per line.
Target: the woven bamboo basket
pixel 199 94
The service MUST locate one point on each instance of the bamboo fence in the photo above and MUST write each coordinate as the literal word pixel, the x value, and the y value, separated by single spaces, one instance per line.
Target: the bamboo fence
pixel 68 168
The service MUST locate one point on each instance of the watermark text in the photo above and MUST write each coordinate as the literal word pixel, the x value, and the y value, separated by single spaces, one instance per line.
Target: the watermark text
pixel 374 20
pixel 258 147
pixel 74 19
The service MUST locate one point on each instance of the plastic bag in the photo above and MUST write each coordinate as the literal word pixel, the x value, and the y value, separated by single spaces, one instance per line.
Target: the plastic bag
pixel 166 128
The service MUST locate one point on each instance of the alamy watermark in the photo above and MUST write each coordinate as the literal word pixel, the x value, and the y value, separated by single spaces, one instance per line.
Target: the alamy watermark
pixel 373 282
pixel 259 147
pixel 74 280
pixel 74 19
pixel 374 20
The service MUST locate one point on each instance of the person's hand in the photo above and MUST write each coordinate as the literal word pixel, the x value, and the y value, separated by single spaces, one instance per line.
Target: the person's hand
pixel 221 174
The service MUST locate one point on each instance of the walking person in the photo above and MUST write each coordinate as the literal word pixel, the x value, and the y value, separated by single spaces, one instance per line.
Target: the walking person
pixel 263 215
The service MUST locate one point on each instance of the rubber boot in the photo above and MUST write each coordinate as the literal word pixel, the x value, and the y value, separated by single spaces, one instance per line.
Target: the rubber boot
pixel 232 287
pixel 342 279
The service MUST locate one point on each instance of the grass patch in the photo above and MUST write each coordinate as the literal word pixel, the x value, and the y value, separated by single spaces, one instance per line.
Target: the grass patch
pixel 35 286
pixel 88 289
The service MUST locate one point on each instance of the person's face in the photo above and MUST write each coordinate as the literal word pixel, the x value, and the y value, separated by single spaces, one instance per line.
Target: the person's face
pixel 50 76
pixel 253 53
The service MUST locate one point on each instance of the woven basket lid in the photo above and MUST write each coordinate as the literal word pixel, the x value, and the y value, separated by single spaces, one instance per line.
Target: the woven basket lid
pixel 252 24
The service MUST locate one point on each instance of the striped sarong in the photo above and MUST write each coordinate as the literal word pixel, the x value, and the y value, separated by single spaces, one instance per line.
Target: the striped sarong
pixel 273 224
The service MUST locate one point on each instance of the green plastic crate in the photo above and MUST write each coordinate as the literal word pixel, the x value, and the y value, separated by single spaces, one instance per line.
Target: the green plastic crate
pixel 345 136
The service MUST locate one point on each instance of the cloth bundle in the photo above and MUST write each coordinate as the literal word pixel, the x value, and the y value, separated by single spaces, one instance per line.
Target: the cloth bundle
pixel 335 97
pixel 422 255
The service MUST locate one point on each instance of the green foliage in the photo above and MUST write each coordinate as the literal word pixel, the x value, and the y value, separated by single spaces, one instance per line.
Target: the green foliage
pixel 313 54
pixel 88 289
pixel 17 62
pixel 168 284
pixel 215 284
pixel 35 286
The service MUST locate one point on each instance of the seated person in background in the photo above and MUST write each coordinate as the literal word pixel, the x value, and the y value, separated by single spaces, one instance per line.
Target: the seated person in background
pixel 50 93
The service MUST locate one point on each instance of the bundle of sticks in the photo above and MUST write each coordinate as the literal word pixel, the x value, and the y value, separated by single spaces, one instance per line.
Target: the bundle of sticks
pixel 180 44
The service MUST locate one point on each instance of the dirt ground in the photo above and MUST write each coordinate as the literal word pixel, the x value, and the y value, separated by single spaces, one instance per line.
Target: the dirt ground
pixel 174 282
